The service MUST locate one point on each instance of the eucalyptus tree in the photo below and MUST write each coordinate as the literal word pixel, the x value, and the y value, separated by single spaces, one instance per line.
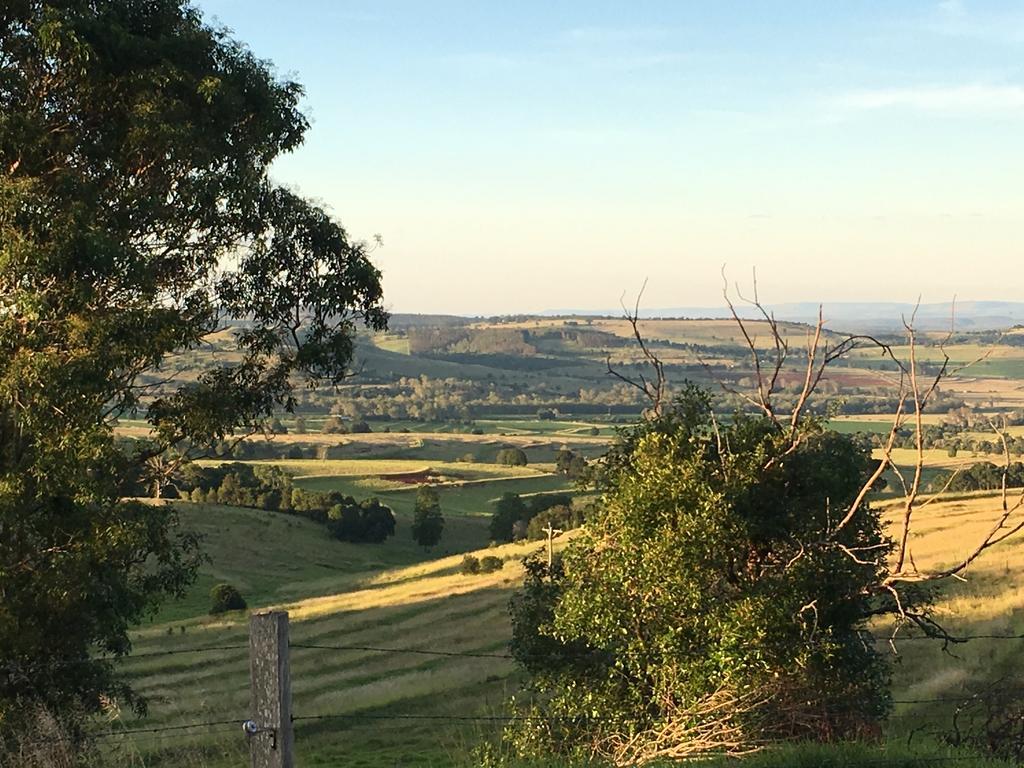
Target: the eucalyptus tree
pixel 137 218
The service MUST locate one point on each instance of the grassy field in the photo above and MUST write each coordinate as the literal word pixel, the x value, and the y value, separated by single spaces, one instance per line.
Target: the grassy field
pixel 274 558
pixel 423 606
pixel 852 426
pixel 466 499
pixel 718 332
pixel 395 595
pixel 365 476
pixel 989 601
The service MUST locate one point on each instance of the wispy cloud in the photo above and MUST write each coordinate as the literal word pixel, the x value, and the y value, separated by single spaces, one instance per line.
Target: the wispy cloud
pixel 956 98
pixel 952 9
pixel 953 18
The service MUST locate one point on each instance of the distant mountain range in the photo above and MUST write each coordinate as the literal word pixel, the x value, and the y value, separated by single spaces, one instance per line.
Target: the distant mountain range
pixel 856 316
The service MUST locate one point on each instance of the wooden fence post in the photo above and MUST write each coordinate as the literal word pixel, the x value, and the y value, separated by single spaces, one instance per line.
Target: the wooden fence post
pixel 270 726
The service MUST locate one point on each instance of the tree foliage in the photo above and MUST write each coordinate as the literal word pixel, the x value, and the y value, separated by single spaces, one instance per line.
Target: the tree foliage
pixel 427 520
pixel 226 597
pixel 512 515
pixel 707 573
pixel 570 464
pixel 367 521
pixel 512 457
pixel 508 510
pixel 136 219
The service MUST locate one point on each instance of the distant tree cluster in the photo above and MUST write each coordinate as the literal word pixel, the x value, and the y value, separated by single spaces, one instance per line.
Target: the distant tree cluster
pixel 983 476
pixel 336 425
pixel 511 341
pixel 459 401
pixel 261 486
pixel 954 434
pixel 512 457
pixel 265 486
pixel 366 521
pixel 513 516
pixel 561 517
pixel 472 565
pixel 570 464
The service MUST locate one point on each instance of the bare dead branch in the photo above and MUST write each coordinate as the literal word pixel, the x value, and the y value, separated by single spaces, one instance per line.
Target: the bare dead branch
pixel 654 390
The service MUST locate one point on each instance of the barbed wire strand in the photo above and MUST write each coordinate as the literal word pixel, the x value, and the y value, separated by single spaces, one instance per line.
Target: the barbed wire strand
pixel 119 659
pixel 418 651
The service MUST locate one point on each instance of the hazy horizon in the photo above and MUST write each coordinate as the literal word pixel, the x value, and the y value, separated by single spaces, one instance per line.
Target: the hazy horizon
pixel 529 157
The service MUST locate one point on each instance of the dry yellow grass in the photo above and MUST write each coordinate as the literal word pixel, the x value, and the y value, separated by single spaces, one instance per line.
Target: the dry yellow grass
pixel 383 468
pixel 935 458
pixel 407 440
pixel 989 600
pixel 432 606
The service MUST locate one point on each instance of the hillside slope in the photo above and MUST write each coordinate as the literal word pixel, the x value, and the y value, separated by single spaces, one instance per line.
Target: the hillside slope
pixel 359 600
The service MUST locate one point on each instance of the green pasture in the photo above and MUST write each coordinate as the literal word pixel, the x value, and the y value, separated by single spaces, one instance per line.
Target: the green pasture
pixel 394 595
pixel 541 451
pixel 854 426
pixel 273 557
pixel 543 427
pixel 472 499
pixel 970 360
pixel 428 605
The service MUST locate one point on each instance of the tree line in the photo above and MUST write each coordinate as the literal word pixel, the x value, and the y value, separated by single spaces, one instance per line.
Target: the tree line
pixel 270 488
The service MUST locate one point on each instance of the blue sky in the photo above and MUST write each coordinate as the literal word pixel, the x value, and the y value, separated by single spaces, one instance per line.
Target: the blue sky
pixel 535 155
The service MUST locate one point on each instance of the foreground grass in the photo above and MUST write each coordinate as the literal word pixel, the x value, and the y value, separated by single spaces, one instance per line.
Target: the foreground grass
pixel 892 755
pixel 990 601
pixel 396 596
pixel 428 605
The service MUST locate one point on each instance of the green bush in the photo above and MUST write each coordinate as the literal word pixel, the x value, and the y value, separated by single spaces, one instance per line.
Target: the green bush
pixel 700 562
pixel 225 597
pixel 334 425
pixel 490 563
pixel 470 565
pixel 561 517
pixel 512 457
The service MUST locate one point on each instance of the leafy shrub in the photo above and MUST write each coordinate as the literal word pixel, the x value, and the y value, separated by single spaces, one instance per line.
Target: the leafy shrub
pixel 470 565
pixel 700 563
pixel 334 425
pixel 563 517
pixel 225 597
pixel 512 457
pixel 367 521
pixel 427 522
pixel 490 563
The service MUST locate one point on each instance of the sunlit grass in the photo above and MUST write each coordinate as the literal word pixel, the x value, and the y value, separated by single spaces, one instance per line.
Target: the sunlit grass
pixel 429 604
